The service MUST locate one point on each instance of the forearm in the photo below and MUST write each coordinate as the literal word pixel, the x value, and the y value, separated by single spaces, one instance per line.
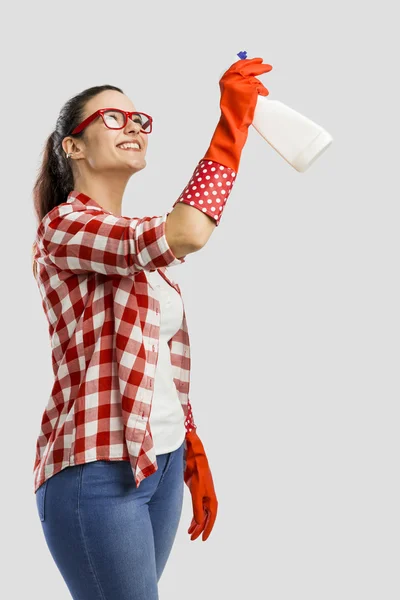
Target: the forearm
pixel 183 219
pixel 206 192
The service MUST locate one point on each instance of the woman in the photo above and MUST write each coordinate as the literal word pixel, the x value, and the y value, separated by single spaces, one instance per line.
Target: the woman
pixel 119 415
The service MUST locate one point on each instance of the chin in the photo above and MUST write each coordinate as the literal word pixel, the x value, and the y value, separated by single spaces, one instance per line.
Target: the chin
pixel 139 165
pixel 143 163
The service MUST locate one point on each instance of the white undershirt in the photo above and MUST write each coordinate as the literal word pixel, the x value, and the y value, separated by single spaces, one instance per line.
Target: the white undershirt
pixel 167 419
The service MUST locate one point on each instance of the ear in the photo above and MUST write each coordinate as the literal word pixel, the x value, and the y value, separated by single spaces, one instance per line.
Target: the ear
pixel 68 147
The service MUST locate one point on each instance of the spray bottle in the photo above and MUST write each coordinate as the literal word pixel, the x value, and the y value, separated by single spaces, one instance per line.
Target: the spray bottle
pixel 296 138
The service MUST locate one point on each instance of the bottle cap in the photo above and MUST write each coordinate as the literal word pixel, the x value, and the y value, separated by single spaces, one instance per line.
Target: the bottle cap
pixel 242 54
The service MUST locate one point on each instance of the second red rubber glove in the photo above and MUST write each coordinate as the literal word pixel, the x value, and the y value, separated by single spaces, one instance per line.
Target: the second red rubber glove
pixel 199 480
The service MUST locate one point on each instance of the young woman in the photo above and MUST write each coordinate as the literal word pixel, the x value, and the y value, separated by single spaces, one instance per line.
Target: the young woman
pixel 117 438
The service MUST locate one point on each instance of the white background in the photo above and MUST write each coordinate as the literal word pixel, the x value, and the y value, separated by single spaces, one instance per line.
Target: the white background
pixel 292 306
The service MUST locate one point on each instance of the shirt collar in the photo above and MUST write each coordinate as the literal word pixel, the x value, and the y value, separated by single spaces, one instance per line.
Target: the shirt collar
pixel 86 200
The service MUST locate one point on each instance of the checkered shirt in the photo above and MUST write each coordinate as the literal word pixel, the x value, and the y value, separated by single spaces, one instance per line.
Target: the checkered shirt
pixel 104 322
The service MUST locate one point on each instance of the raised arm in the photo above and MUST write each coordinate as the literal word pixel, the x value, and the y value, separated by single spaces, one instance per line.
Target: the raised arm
pixel 85 240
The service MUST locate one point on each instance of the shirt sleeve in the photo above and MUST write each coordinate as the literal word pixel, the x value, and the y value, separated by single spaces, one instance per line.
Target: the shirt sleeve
pixel 89 240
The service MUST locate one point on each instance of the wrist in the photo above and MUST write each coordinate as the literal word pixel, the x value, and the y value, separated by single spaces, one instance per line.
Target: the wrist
pixel 227 143
pixel 209 188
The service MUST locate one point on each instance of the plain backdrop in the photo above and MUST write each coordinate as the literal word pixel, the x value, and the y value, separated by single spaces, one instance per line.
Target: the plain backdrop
pixel 292 306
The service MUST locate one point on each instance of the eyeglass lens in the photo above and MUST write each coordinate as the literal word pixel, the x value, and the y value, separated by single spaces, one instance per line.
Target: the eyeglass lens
pixel 115 119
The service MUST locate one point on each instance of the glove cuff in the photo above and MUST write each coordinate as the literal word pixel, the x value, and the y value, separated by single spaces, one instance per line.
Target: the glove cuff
pixel 209 188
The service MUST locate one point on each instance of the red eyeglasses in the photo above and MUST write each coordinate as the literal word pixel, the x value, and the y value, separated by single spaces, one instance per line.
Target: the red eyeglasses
pixel 116 118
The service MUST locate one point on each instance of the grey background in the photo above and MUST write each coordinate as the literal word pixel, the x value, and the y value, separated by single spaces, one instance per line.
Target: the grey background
pixel 292 306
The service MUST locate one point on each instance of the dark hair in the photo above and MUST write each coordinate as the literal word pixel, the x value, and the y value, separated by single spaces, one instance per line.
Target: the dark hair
pixel 55 179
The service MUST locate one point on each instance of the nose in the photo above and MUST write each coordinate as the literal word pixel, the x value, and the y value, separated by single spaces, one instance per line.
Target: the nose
pixel 133 126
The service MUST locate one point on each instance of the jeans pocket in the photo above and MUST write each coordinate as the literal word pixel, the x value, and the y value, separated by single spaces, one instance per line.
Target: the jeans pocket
pixel 40 499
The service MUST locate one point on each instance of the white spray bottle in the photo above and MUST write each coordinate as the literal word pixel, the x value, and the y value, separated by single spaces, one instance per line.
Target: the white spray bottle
pixel 296 138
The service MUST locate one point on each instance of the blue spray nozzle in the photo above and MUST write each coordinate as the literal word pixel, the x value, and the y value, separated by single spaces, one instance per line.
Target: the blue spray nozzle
pixel 242 54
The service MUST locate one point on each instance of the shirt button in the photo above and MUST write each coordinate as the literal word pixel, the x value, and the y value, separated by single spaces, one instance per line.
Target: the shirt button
pixel 154 348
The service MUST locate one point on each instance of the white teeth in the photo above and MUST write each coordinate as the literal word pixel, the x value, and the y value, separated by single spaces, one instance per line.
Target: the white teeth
pixel 130 145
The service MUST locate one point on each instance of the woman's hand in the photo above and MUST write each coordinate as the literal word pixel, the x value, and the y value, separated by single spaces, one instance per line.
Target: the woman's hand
pixel 239 94
pixel 240 89
pixel 199 480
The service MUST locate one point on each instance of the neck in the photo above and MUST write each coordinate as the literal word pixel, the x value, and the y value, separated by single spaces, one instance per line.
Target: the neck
pixel 105 190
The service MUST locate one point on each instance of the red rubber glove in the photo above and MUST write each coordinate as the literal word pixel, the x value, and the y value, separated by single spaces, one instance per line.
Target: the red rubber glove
pixel 239 95
pixel 199 480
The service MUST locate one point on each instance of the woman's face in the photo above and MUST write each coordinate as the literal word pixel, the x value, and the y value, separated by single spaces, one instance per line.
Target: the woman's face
pixel 99 144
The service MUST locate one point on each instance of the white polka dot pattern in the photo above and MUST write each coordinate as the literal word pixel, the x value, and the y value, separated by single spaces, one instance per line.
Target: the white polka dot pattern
pixel 209 188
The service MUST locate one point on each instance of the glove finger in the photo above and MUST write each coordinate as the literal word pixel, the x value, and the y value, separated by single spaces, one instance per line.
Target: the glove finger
pixel 260 69
pixel 263 91
pixel 247 61
pixel 260 87
pixel 198 510
pixel 211 517
pixel 197 531
pixel 196 523
pixel 237 67
pixel 255 69
pixel 212 510
pixel 192 526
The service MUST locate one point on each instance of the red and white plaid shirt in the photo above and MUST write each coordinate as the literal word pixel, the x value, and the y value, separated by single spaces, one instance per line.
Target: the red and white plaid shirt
pixel 104 324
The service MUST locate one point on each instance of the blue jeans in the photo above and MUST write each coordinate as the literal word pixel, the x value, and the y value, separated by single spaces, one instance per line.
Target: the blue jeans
pixel 109 539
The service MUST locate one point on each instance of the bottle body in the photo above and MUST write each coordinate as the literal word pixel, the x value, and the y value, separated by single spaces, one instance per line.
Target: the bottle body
pixel 296 138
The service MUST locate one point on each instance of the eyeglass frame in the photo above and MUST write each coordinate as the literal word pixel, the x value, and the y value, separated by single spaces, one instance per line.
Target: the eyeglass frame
pixel 100 113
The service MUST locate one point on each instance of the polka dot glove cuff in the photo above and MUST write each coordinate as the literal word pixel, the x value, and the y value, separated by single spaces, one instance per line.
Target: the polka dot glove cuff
pixel 209 188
